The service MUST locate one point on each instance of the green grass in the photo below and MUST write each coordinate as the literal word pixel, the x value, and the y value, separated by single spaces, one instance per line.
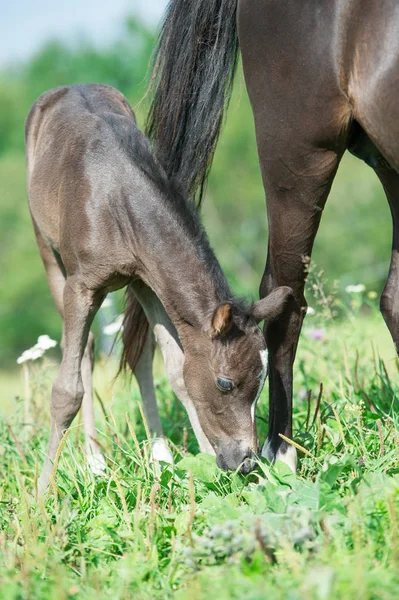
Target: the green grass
pixel 194 532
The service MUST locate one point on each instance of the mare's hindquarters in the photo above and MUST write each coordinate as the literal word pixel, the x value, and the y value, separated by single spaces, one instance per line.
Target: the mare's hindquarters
pixel 371 58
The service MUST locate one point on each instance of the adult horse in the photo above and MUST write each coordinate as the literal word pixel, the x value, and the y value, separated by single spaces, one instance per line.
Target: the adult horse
pixel 322 77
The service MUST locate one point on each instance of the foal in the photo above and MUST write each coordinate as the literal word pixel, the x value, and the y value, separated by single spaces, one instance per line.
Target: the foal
pixel 106 216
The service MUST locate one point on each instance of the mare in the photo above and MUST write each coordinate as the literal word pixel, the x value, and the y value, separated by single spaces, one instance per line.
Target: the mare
pixel 322 77
pixel 106 216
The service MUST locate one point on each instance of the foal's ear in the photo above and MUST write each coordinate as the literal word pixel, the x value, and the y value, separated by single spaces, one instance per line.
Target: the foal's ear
pixel 272 306
pixel 221 320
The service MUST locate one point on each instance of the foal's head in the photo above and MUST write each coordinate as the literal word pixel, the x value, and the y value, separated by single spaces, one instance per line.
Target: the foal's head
pixel 225 369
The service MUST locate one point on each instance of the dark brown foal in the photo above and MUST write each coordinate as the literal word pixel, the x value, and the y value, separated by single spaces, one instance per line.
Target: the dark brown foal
pixel 105 216
pixel 322 77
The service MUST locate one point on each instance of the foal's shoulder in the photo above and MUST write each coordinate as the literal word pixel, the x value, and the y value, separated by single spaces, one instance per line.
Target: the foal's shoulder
pixel 99 98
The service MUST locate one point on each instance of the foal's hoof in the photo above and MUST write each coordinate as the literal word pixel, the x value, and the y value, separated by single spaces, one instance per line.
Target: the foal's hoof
pixel 97 464
pixel 286 453
pixel 160 452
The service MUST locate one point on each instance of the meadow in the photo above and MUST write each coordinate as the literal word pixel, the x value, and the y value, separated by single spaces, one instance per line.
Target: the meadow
pixel 188 531
pixel 148 530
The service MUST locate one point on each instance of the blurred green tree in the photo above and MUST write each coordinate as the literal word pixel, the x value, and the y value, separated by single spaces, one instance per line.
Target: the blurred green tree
pixel 354 238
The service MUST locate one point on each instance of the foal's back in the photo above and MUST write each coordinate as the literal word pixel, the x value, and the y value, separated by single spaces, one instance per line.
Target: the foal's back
pixel 73 142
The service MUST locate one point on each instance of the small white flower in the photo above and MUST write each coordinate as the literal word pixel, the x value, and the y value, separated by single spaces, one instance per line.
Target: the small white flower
pixel 32 354
pixel 310 311
pixel 45 342
pixel 355 289
pixel 113 327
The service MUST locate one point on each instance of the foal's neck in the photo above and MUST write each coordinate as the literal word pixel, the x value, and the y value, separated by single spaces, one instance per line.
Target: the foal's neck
pixel 175 259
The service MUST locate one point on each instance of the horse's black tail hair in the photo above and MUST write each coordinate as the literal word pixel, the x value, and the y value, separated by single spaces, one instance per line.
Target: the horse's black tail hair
pixel 194 66
pixel 134 332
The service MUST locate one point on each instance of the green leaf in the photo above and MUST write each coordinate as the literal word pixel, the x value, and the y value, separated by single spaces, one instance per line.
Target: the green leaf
pixel 202 466
pixel 256 501
pixel 182 521
pixel 307 494
pixel 284 473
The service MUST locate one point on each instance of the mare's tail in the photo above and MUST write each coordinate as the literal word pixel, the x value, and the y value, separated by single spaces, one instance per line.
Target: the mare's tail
pixel 134 333
pixel 194 67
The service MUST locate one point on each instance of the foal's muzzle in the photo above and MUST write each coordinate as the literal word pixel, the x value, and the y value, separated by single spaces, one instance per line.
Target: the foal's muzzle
pixel 233 456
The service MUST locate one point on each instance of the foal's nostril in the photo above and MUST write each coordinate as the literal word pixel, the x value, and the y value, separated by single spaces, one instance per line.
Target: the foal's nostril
pixel 221 463
pixel 247 466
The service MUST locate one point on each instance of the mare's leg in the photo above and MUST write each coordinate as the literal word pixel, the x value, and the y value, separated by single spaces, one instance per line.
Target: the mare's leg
pixel 301 120
pixel 389 302
pixel 294 205
pixel 56 282
pixel 80 307
pixel 144 376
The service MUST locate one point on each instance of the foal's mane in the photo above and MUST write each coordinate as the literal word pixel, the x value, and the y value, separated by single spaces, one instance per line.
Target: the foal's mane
pixel 135 325
pixel 141 154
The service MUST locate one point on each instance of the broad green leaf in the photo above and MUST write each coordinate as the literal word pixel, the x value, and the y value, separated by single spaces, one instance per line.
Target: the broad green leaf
pixel 182 521
pixel 202 466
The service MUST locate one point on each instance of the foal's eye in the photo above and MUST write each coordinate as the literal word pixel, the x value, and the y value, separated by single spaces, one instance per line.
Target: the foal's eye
pixel 224 384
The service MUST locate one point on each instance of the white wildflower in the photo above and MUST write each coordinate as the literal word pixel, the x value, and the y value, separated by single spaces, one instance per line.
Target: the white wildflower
pixel 45 342
pixel 310 311
pixel 114 327
pixel 32 354
pixel 355 289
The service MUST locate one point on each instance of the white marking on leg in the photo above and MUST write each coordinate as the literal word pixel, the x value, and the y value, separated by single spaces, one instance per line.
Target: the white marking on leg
pixel 96 463
pixel 161 452
pixel 288 456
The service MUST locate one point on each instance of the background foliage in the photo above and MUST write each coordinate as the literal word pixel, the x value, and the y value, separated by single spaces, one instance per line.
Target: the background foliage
pixel 354 238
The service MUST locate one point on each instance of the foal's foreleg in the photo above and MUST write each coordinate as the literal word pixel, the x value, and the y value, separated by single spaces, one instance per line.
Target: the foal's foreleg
pixel 80 307
pixel 172 352
pixel 389 302
pixel 94 455
pixel 174 361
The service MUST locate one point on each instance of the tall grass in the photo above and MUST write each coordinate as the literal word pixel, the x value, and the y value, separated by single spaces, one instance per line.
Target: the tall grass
pixel 188 531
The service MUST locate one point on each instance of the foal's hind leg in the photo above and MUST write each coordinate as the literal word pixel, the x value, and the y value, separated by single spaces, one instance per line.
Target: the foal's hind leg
pixel 80 307
pixel 144 375
pixel 389 302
